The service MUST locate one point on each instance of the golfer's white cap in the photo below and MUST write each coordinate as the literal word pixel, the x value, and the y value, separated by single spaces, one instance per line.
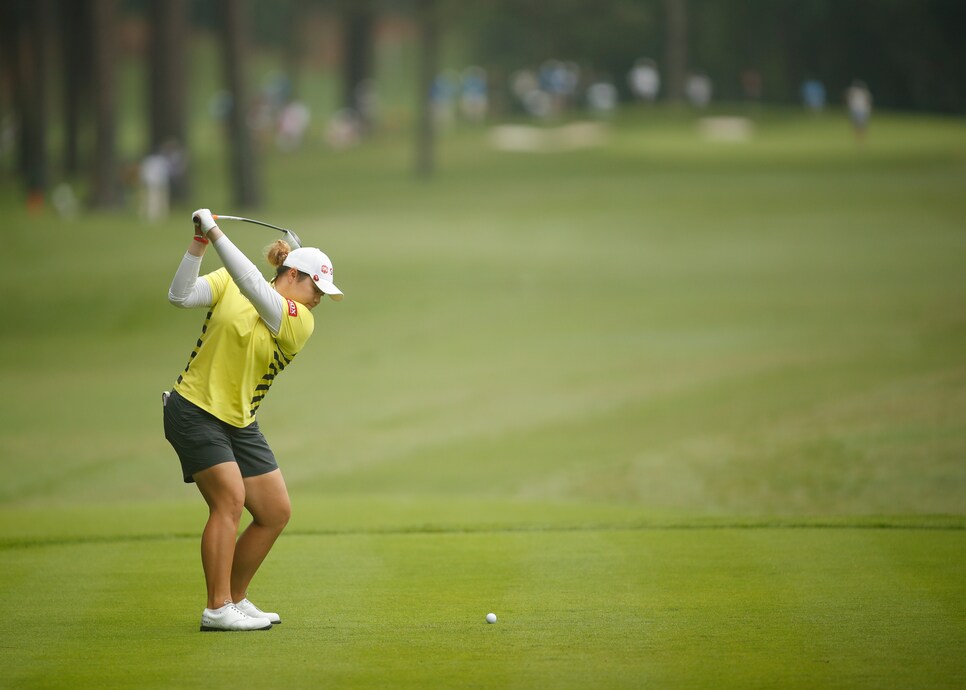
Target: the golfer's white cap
pixel 318 267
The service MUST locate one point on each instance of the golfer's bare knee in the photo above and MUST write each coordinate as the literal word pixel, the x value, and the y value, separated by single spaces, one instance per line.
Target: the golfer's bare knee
pixel 228 505
pixel 274 517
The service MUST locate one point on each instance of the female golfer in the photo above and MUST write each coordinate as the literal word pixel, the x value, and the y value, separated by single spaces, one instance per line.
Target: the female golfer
pixel 251 333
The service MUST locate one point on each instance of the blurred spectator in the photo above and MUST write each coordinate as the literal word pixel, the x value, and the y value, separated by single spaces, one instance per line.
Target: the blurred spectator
pixel 698 90
pixel 367 103
pixel 443 95
pixel 473 97
pixel 261 121
pixel 813 95
pixel 523 83
pixel 131 186
pixel 154 187
pixel 552 90
pixel 64 201
pixel 277 90
pixel 550 77
pixel 644 80
pixel 35 202
pixel 571 81
pixel 858 99
pixel 343 130
pixel 751 84
pixel 538 103
pixel 293 121
pixel 602 97
pixel 177 160
pixel 560 81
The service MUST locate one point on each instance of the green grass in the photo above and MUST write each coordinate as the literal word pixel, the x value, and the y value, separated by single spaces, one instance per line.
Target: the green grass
pixel 588 608
pixel 682 414
pixel 671 608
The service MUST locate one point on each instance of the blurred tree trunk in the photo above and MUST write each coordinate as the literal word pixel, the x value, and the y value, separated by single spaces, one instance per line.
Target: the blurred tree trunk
pixel 789 28
pixel 357 62
pixel 428 67
pixel 676 56
pixel 33 47
pixel 167 93
pixel 75 32
pixel 10 26
pixel 293 47
pixel 241 152
pixel 103 41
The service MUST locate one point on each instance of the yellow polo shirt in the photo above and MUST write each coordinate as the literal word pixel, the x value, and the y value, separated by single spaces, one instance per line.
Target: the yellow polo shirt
pixel 237 358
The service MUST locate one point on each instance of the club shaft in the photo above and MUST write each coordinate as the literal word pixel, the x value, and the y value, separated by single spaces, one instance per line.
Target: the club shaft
pixel 293 238
pixel 250 220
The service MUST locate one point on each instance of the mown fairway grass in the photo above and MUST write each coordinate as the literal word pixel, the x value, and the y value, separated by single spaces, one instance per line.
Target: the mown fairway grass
pixel 597 608
pixel 682 414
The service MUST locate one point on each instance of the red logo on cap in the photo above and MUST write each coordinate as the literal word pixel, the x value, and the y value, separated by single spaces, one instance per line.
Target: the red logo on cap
pixel 325 269
pixel 316 277
pixel 293 308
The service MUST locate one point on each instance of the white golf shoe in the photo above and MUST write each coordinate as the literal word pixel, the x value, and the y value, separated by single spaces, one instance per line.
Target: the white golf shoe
pixel 248 607
pixel 230 617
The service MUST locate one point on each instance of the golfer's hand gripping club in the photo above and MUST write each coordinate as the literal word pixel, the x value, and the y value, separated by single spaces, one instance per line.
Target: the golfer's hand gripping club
pixel 203 221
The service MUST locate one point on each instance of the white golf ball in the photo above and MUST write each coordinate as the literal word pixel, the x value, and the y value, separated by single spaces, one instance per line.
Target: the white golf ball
pixel 491 618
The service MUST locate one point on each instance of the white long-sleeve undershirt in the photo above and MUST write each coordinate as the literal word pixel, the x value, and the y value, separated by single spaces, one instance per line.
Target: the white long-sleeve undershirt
pixel 187 291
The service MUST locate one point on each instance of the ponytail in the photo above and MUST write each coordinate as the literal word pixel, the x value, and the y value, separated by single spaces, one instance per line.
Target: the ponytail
pixel 276 253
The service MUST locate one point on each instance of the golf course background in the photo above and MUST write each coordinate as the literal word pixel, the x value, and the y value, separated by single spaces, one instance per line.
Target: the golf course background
pixel 681 413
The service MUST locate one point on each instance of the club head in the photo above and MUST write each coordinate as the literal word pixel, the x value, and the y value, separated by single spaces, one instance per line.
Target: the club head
pixel 292 239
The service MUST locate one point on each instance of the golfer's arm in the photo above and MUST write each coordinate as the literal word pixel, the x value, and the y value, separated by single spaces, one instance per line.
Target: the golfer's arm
pixel 186 291
pixel 267 302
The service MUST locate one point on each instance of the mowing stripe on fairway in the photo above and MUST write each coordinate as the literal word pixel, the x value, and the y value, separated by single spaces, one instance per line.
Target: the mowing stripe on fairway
pixel 930 523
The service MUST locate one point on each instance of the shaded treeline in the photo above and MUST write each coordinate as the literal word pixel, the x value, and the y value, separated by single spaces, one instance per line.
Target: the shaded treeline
pixel 908 51
pixel 71 47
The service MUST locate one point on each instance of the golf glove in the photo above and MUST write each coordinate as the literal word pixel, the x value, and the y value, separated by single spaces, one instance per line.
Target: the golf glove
pixel 203 220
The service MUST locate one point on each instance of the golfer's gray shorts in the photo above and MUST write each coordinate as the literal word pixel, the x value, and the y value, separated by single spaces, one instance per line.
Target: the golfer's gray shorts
pixel 201 440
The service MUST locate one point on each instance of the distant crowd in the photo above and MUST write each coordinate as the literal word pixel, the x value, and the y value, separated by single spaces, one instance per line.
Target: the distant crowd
pixel 553 89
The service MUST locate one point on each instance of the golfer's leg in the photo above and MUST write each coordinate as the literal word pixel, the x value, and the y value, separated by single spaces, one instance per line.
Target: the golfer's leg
pixel 266 498
pixel 224 491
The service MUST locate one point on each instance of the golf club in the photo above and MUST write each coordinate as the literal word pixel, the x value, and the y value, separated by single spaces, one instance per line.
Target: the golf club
pixel 290 236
